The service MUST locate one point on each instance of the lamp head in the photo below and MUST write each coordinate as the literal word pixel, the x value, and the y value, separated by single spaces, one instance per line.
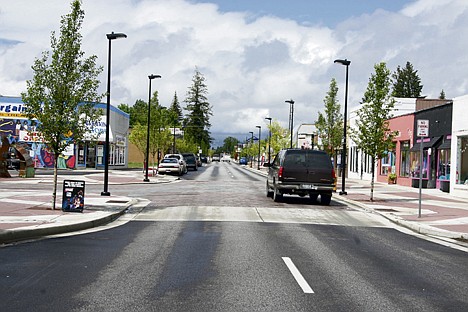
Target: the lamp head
pixel 268 118
pixel 259 127
pixel 289 101
pixel 153 76
pixel 113 36
pixel 343 62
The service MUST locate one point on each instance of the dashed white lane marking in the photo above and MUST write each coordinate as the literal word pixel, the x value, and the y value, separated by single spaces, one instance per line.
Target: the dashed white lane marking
pixel 298 276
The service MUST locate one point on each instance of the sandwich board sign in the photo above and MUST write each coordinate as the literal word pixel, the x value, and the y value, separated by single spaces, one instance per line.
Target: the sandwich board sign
pixel 73 195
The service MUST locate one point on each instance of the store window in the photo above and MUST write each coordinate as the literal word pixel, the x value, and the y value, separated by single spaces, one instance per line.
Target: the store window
pixel 388 163
pixel 415 159
pixel 405 162
pixel 443 167
pixel 462 159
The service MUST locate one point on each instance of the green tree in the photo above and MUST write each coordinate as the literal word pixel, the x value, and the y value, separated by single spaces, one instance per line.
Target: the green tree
pixel 63 88
pixel 442 95
pixel 406 82
pixel 372 134
pixel 230 145
pixel 197 120
pixel 175 112
pixel 279 137
pixel 138 112
pixel 330 124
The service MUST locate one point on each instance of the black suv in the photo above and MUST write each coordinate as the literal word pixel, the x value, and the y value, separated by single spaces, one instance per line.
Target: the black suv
pixel 191 160
pixel 301 172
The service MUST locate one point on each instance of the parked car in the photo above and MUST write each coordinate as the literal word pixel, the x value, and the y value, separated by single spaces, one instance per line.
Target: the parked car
pixel 170 165
pixel 181 159
pixel 204 159
pixel 243 161
pixel 215 157
pixel 301 172
pixel 190 160
pixel 226 158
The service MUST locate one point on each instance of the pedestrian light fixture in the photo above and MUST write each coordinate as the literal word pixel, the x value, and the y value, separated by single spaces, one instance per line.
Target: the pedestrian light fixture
pixel 269 140
pixel 251 143
pixel 110 37
pixel 259 135
pixel 150 77
pixel 291 119
pixel 346 63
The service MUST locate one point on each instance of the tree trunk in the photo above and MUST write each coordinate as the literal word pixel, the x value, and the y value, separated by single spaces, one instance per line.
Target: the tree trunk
pixel 54 193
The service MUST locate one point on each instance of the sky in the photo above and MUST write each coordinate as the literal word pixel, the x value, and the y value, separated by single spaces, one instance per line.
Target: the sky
pixel 254 55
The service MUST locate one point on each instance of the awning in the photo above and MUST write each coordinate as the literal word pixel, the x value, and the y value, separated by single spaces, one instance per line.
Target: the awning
pixel 433 142
pixel 446 144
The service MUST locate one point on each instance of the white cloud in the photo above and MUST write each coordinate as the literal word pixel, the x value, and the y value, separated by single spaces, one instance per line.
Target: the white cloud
pixel 251 65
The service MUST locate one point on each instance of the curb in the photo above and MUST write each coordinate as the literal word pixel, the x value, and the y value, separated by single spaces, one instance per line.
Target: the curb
pixel 411 225
pixel 16 235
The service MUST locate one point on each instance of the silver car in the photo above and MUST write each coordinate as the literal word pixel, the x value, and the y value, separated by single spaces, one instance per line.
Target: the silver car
pixel 170 165
pixel 181 160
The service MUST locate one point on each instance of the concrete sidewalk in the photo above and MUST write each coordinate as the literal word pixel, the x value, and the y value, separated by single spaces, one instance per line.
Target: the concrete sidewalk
pixel 26 213
pixel 442 214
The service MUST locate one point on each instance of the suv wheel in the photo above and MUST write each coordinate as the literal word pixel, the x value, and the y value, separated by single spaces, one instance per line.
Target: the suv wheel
pixel 325 199
pixel 269 193
pixel 277 196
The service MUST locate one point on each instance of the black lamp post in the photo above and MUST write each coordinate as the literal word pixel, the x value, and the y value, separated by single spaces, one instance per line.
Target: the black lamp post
pixel 110 37
pixel 269 140
pixel 151 77
pixel 259 135
pixel 251 142
pixel 346 63
pixel 291 119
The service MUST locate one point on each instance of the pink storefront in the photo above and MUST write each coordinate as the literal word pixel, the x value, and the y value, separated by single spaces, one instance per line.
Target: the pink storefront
pixel 398 160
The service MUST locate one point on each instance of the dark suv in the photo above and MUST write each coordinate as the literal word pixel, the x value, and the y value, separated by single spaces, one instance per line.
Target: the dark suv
pixel 191 160
pixel 301 172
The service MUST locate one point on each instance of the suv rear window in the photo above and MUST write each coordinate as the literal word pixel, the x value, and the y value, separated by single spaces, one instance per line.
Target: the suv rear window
pixel 306 158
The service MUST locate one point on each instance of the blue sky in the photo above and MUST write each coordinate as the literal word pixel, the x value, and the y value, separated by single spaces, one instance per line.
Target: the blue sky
pixel 252 62
pixel 324 12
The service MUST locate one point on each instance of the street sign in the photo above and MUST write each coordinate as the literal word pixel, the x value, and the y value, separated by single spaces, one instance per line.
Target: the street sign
pixel 423 128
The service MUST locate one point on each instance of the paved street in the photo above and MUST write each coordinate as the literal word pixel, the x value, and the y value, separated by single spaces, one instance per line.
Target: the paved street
pixel 213 241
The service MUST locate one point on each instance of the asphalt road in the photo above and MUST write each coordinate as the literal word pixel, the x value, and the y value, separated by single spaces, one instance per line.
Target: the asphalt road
pixel 214 242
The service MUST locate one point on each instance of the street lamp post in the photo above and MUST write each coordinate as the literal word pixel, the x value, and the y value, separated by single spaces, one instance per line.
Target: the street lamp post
pixel 291 119
pixel 346 63
pixel 150 77
pixel 110 37
pixel 269 140
pixel 259 135
pixel 251 142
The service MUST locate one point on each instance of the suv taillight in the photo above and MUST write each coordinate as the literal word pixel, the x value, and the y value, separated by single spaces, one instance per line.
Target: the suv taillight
pixel 333 173
pixel 280 172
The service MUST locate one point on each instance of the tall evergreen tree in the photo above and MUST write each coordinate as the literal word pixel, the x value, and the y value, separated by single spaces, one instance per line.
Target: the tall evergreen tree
pixel 175 112
pixel 62 91
pixel 373 135
pixel 442 95
pixel 330 124
pixel 406 82
pixel 197 120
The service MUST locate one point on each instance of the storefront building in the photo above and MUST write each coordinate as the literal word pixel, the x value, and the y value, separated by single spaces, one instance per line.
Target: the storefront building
pixel 87 154
pixel 459 146
pixel 397 160
pixel 436 148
